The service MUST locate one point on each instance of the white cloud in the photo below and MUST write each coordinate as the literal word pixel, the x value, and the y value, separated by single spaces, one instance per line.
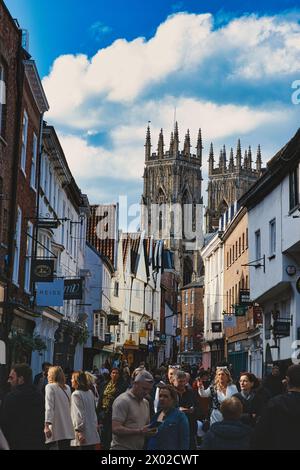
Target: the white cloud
pixel 130 82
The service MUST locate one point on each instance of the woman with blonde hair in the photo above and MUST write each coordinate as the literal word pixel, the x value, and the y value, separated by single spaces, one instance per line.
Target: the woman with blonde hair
pixel 91 380
pixel 83 413
pixel 58 429
pixel 222 389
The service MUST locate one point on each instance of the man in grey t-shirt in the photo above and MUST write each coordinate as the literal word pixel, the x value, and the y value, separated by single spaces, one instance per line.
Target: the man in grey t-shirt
pixel 131 415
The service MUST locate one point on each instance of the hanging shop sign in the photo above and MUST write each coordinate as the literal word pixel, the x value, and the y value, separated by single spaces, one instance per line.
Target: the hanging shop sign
pixel 229 321
pixel 50 294
pixel 291 270
pixel 149 326
pixel 42 270
pixel 257 315
pixel 216 327
pixel 113 320
pixel 245 297
pixel 48 223
pixel 281 328
pixel 240 310
pixel 73 289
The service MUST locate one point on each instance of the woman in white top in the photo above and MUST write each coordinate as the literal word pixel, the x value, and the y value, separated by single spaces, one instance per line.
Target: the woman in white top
pixel 83 412
pixel 222 389
pixel 58 429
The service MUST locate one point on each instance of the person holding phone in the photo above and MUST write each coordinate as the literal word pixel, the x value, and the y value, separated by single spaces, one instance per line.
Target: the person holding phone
pixel 169 427
pixel 187 404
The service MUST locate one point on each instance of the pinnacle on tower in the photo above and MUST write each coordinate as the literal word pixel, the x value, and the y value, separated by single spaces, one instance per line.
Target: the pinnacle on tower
pixel 160 148
pixel 148 144
pixel 258 160
pixel 221 160
pixel 224 158
pixel 199 146
pixel 246 160
pixel 187 145
pixel 238 156
pixel 250 158
pixel 172 144
pixel 211 160
pixel 176 141
pixel 231 161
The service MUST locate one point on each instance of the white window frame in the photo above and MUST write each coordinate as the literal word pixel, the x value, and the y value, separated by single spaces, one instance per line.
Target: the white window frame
pixel 17 247
pixel 272 228
pixel 192 296
pixel 185 343
pixel 186 297
pixel 192 320
pixel 132 324
pixel 258 244
pixel 24 141
pixel 28 257
pixel 63 223
pixel 99 326
pixel 50 186
pixel 34 161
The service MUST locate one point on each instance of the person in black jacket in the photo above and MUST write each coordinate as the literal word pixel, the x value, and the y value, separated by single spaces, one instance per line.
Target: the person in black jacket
pixel 231 433
pixel 273 382
pixel 279 426
pixel 253 398
pixel 187 404
pixel 41 380
pixel 22 412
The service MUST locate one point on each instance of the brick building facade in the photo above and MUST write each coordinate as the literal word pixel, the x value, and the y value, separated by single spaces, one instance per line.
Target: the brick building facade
pixel 10 50
pixel 192 322
pixel 243 338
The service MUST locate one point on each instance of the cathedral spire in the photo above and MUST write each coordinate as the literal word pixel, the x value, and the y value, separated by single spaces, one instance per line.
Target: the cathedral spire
pixel 231 161
pixel 221 160
pixel 176 141
pixel 160 149
pixel 171 151
pixel 238 156
pixel 246 160
pixel 148 143
pixel 211 160
pixel 199 146
pixel 224 158
pixel 187 145
pixel 250 158
pixel 258 160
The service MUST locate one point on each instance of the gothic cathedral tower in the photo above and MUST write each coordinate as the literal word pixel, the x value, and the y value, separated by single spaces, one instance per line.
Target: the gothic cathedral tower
pixel 172 200
pixel 229 181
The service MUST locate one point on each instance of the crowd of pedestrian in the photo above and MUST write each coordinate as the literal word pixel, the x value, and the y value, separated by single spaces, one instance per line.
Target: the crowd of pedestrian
pixel 174 407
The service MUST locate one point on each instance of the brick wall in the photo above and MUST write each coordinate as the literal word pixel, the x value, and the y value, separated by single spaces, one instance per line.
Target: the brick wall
pixel 10 38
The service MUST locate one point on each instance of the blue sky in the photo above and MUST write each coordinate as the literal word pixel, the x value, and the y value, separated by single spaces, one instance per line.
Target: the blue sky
pixel 110 67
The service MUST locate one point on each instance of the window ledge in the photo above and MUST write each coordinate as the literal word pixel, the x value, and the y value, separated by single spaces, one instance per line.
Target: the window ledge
pixel 3 141
pixel 296 208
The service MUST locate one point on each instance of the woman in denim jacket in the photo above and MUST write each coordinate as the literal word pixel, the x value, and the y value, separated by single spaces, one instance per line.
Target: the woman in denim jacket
pixel 169 426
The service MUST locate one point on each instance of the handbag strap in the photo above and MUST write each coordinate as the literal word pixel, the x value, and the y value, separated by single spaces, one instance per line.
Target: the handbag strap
pixel 215 401
pixel 65 394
